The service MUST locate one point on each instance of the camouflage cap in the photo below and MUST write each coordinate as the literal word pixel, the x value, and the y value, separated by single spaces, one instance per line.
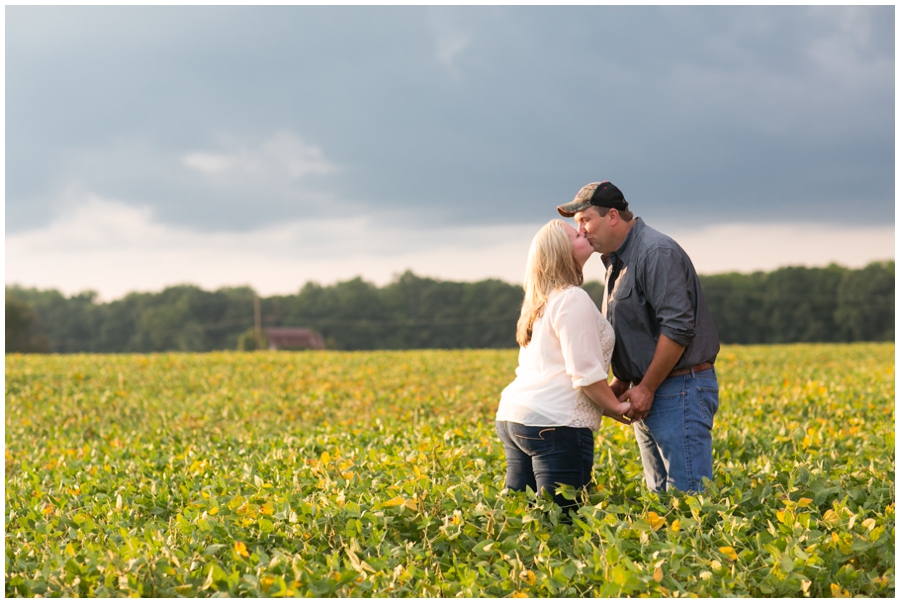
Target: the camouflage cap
pixel 599 194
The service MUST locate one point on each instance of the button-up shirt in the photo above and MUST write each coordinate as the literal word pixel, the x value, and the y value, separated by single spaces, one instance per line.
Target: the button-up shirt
pixel 652 289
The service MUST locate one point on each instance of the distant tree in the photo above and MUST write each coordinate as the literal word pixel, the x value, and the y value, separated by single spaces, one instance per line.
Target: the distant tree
pixel 23 331
pixel 865 303
pixel 786 305
pixel 69 324
pixel 595 290
pixel 247 341
pixel 801 303
pixel 738 306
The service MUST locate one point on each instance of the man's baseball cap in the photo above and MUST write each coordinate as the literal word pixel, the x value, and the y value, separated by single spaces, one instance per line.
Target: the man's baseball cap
pixel 599 194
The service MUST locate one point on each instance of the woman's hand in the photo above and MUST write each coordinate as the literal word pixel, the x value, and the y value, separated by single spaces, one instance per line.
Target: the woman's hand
pixel 620 418
pixel 602 395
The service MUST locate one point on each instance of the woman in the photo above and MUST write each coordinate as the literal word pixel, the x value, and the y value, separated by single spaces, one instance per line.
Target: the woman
pixel 548 414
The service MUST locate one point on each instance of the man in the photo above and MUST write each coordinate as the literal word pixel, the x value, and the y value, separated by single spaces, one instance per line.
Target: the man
pixel 666 342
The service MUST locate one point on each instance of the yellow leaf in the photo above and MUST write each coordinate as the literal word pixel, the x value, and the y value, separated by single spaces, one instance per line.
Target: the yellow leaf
pixel 47 510
pixel 658 574
pixel 266 582
pixel 529 577
pixel 70 550
pixel 410 504
pixel 395 502
pixel 837 592
pixel 214 511
pixel 655 521
pixel 804 502
pixel 830 516
pixel 519 595
pixel 325 458
pixel 728 552
pixel 869 524
pixel 267 509
pixel 676 525
pixel 241 549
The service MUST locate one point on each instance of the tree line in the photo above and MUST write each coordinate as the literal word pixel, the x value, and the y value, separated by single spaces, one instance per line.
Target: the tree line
pixel 794 304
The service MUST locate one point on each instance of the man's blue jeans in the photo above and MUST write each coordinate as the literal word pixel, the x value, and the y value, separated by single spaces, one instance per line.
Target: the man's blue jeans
pixel 543 457
pixel 675 438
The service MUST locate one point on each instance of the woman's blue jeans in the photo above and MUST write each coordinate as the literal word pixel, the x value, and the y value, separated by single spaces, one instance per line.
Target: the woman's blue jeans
pixel 675 437
pixel 544 457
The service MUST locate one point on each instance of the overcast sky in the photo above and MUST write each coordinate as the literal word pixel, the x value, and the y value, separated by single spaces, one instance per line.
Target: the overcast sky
pixel 269 146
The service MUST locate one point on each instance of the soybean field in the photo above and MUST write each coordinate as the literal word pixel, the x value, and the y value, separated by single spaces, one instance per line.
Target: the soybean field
pixel 380 474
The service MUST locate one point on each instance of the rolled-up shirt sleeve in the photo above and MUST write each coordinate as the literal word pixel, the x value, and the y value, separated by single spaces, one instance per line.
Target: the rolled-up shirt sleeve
pixel 666 288
pixel 576 321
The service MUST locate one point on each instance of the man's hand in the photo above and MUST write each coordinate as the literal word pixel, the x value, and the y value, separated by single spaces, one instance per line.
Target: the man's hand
pixel 641 396
pixel 641 400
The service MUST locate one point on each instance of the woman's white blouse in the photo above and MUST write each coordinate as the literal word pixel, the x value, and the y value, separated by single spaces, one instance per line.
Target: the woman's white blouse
pixel 571 346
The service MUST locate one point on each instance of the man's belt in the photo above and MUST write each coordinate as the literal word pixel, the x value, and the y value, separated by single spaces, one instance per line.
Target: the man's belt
pixel 703 366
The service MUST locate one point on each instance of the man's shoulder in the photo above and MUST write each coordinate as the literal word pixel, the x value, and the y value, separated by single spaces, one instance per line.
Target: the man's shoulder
pixel 649 236
pixel 649 240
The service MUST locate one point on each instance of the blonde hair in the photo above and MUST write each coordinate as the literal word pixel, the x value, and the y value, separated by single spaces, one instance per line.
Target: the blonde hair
pixel 551 266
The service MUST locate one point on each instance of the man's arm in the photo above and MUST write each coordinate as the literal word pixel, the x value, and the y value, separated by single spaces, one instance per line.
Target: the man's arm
pixel 641 396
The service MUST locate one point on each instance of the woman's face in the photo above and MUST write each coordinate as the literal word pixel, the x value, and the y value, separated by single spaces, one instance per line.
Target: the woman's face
pixel 581 247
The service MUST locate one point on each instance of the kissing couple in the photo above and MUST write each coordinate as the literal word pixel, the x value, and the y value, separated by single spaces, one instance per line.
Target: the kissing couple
pixel 654 331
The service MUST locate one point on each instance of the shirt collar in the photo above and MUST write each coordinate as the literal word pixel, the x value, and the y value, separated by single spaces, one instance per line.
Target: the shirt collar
pixel 622 251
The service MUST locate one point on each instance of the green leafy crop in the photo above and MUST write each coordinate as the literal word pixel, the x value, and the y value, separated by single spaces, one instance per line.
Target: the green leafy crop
pixel 380 474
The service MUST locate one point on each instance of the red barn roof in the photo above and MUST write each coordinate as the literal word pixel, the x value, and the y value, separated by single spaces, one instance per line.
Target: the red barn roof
pixel 293 338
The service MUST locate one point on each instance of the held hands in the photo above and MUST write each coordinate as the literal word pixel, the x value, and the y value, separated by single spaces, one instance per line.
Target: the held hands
pixel 618 388
pixel 620 418
pixel 641 400
pixel 601 394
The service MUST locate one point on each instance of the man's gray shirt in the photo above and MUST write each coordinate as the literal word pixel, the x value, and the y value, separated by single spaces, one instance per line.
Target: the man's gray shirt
pixel 655 290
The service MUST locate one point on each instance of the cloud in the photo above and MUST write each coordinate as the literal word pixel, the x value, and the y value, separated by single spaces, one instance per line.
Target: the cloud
pixel 452 33
pixel 469 115
pixel 234 183
pixel 283 156
pixel 115 248
pixel 765 246
pixel 450 45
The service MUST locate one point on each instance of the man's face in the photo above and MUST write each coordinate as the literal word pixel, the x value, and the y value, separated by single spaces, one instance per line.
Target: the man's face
pixel 595 228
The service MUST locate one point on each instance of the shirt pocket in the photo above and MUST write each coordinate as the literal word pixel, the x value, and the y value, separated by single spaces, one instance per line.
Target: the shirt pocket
pixel 631 312
pixel 623 301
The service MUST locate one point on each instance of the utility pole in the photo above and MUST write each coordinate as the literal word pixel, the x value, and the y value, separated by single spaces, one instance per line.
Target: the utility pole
pixel 257 322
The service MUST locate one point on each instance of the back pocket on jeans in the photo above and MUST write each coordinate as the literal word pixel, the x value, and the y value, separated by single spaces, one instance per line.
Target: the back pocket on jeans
pixel 535 439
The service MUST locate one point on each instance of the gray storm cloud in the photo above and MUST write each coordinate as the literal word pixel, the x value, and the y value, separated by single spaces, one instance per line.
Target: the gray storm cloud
pixel 237 118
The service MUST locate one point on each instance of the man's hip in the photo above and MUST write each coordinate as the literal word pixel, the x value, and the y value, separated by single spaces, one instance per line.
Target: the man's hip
pixel 676 435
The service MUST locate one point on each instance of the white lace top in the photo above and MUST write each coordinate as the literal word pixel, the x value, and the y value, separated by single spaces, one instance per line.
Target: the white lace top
pixel 571 347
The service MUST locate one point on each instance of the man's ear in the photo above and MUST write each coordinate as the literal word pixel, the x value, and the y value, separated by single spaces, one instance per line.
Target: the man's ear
pixel 614 216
